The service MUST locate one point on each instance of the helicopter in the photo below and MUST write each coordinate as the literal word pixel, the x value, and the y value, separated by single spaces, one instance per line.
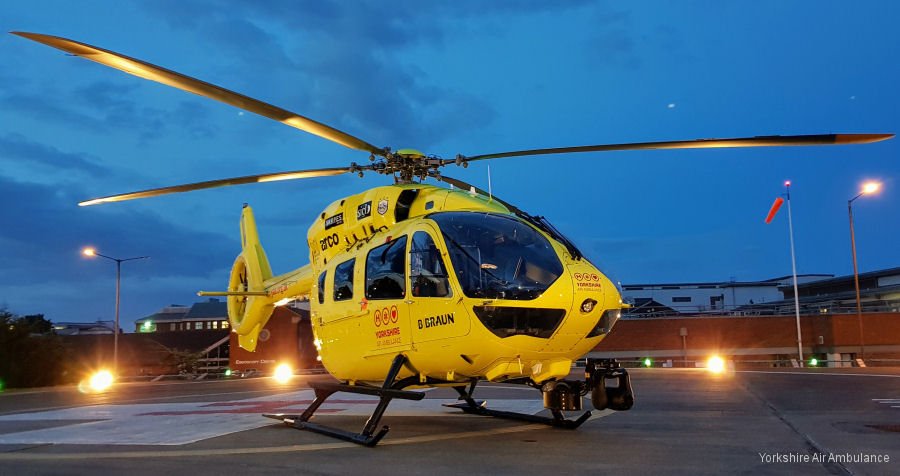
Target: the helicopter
pixel 414 285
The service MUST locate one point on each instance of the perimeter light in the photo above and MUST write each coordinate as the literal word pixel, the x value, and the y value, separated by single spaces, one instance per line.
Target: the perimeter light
pixel 89 252
pixel 715 364
pixel 101 381
pixel 648 362
pixel 813 362
pixel 283 373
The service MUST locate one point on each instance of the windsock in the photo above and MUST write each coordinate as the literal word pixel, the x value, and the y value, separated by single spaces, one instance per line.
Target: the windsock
pixel 774 209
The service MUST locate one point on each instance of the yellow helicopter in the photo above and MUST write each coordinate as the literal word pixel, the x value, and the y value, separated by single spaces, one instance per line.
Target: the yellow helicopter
pixel 414 285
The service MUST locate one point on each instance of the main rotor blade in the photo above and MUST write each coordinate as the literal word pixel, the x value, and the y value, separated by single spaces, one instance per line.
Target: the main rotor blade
pixel 297 174
pixel 186 83
pixel 760 141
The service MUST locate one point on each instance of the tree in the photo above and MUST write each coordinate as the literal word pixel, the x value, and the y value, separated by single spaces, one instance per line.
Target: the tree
pixel 31 355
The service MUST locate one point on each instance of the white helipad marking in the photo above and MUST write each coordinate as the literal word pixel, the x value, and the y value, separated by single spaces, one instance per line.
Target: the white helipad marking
pixel 182 423
pixel 834 374
pixel 888 401
pixel 258 450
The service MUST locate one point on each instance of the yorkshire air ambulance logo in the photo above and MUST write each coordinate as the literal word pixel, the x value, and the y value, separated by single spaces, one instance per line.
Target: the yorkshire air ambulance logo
pixel 382 206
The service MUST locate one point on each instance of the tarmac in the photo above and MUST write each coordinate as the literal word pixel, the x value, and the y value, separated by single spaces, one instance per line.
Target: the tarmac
pixel 685 421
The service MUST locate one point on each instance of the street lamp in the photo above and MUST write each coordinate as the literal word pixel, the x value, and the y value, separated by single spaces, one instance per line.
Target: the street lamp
pixel 867 189
pixel 91 252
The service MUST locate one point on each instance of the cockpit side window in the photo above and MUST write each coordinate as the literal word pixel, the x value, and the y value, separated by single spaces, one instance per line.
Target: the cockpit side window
pixel 322 287
pixel 427 273
pixel 386 271
pixel 343 280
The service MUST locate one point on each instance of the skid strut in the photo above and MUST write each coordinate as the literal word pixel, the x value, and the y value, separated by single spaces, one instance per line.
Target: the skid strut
pixel 370 435
pixel 469 405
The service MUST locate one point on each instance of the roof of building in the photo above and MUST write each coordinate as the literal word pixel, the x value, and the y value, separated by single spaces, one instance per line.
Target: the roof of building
pixel 732 284
pixel 848 279
pixel 211 309
pixel 75 328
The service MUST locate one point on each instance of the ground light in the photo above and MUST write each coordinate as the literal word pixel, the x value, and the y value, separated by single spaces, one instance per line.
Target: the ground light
pixel 648 362
pixel 101 381
pixel 228 372
pixel 813 362
pixel 283 373
pixel 715 364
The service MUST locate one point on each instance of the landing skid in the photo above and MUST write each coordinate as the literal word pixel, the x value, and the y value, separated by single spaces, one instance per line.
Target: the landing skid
pixel 368 436
pixel 470 405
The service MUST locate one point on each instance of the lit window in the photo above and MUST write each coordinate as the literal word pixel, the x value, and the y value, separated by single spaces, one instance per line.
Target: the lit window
pixel 173 326
pixel 198 325
pixel 224 324
pixel 215 324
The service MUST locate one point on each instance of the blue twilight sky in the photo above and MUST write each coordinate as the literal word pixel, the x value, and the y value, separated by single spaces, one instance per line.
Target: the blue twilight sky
pixel 465 77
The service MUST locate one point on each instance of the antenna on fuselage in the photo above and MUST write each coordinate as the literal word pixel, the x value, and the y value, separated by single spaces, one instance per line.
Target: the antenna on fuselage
pixel 490 192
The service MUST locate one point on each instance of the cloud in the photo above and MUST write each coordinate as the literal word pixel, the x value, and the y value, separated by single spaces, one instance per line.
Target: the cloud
pixel 15 148
pixel 323 49
pixel 103 107
pixel 49 110
pixel 44 230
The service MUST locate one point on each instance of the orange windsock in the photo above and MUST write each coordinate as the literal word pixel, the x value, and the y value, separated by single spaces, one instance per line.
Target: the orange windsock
pixel 774 209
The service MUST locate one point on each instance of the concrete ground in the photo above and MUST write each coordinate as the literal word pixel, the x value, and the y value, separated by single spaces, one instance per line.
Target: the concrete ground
pixel 684 422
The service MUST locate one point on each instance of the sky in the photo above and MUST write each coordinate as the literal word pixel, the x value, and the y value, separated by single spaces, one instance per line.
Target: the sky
pixel 466 77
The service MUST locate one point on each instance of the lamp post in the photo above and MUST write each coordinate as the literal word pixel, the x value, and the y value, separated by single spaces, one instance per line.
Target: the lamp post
pixel 91 252
pixel 787 186
pixel 868 189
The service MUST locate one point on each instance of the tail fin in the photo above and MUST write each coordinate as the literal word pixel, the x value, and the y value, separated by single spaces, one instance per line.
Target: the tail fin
pixel 249 313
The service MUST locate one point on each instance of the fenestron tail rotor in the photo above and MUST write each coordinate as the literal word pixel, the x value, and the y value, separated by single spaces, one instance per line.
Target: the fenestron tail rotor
pixel 152 72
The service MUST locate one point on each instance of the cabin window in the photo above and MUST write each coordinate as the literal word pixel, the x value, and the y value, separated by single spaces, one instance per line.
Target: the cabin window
pixel 427 273
pixel 322 287
pixel 385 271
pixel 343 280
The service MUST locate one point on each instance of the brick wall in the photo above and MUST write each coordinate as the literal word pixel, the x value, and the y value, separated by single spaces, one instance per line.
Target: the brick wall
pixel 767 334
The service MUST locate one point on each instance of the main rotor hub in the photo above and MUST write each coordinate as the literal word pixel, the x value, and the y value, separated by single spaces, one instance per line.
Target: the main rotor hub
pixel 407 165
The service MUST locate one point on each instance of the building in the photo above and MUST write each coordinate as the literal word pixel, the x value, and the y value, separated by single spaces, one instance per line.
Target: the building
pixel 84 328
pixel 758 341
pixel 755 322
pixel 650 300
pixel 207 315
pixel 879 292
pixel 286 339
